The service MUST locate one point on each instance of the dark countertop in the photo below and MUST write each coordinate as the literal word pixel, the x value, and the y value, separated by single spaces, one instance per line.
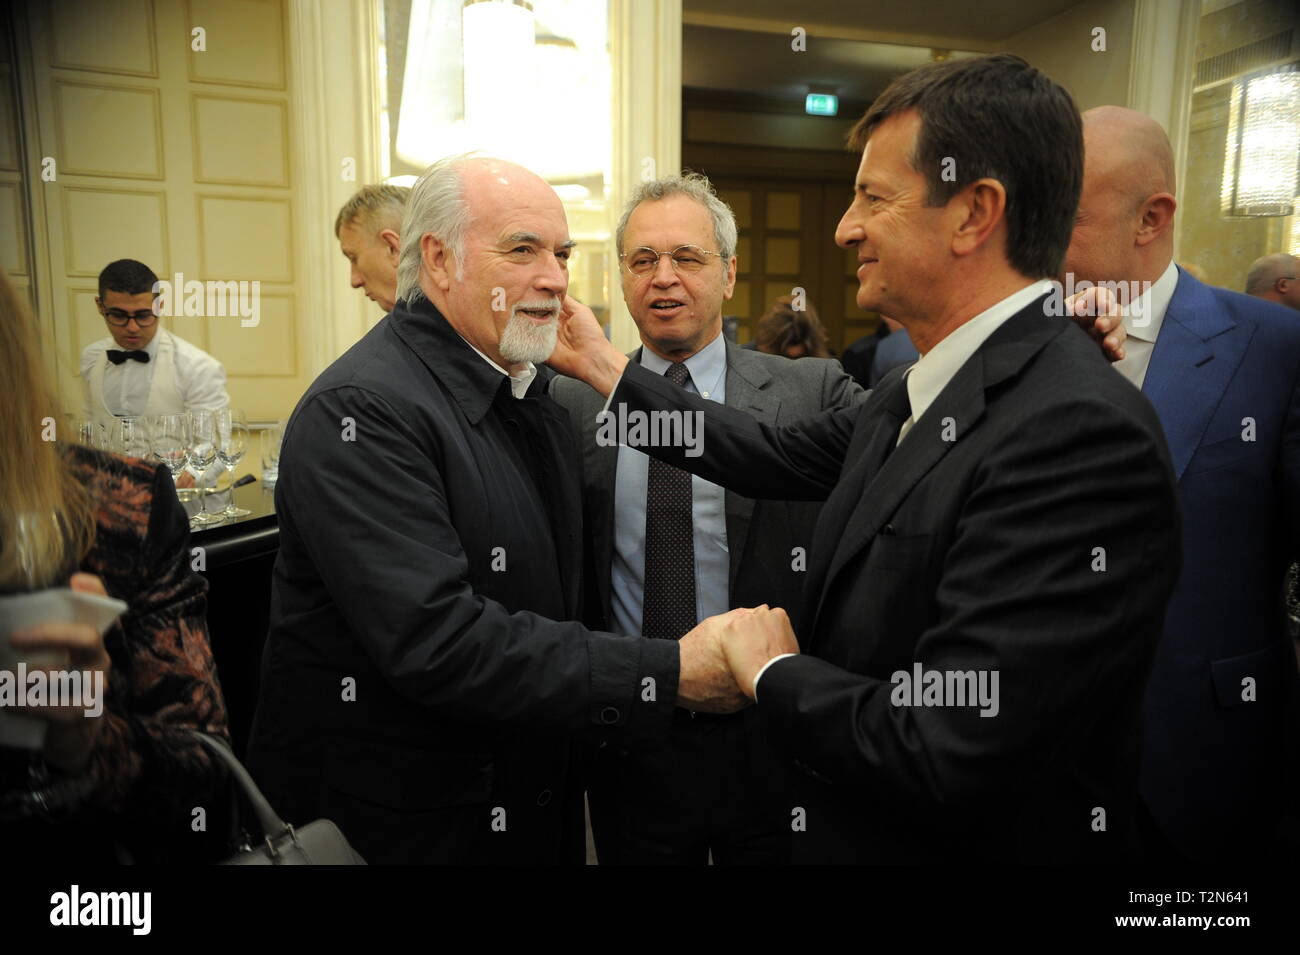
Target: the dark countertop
pixel 239 538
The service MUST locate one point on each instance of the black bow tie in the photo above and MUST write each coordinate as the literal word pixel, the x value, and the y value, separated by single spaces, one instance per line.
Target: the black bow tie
pixel 117 357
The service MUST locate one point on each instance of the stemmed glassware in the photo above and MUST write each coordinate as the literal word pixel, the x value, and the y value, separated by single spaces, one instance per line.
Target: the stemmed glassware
pixel 129 436
pixel 171 441
pixel 232 445
pixel 202 455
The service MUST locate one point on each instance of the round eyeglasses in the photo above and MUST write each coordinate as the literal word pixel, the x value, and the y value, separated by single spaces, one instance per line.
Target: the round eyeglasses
pixel 685 258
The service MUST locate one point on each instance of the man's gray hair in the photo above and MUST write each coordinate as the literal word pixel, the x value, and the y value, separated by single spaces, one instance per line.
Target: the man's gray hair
pixel 1268 269
pixel 697 187
pixel 437 204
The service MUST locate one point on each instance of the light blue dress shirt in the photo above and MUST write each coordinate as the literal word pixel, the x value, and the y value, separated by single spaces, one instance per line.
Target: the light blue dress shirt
pixel 708 369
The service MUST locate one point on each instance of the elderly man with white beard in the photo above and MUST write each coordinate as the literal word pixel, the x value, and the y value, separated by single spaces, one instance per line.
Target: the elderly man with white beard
pixel 418 689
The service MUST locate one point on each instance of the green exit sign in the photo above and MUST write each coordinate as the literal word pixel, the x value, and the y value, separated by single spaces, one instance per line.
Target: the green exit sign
pixel 821 104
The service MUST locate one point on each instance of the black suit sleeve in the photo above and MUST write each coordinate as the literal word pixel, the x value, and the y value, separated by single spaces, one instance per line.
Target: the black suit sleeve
pixel 1024 593
pixel 376 525
pixel 796 462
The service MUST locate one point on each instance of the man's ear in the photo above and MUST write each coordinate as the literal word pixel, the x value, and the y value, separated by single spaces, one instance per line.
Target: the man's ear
pixel 981 208
pixel 391 239
pixel 1157 216
pixel 729 283
pixel 437 260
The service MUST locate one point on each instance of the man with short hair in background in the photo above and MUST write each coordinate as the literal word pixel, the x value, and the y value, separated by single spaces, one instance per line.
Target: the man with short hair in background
pixel 1275 278
pixel 713 787
pixel 368 228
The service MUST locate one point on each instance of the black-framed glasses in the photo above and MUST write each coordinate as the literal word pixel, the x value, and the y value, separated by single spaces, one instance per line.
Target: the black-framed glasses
pixel 685 258
pixel 120 319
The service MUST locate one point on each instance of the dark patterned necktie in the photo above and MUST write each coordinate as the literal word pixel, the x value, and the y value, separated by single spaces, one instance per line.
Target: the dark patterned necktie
pixel 668 608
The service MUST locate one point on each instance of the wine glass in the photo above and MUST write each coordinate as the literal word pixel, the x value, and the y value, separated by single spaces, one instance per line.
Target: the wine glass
pixel 88 432
pixel 272 436
pixel 202 455
pixel 129 437
pixel 232 445
pixel 171 441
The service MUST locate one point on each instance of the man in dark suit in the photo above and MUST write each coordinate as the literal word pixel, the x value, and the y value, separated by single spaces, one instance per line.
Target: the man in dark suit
pixel 1223 372
pixel 971 679
pixel 417 689
pixel 713 787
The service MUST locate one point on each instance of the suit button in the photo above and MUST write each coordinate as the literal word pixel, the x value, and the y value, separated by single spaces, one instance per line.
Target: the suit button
pixel 887 530
pixel 609 715
pixel 544 797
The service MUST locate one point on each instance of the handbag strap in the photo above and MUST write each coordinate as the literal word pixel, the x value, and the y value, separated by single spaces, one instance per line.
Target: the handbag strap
pixel 272 825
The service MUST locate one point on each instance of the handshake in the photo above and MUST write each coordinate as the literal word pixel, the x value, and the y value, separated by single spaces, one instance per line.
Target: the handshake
pixel 722 656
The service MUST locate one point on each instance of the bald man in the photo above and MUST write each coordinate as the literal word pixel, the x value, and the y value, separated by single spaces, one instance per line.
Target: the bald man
pixel 1275 278
pixel 1221 369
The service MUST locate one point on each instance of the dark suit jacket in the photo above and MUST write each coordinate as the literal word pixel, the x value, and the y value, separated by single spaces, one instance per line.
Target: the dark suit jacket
pixel 1213 770
pixel 427 561
pixel 975 553
pixel 761 535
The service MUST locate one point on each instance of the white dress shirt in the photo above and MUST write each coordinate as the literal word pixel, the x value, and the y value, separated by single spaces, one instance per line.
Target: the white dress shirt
pixel 1142 321
pixel 200 378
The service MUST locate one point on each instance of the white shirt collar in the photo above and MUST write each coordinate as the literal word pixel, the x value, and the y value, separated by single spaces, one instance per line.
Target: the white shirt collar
pixel 1145 315
pixel 933 370
pixel 519 381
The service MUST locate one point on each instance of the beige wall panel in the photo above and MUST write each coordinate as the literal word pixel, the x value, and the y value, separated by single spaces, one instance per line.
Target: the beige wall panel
pixel 101 225
pixel 241 142
pixel 783 210
pixel 741 203
pixel 108 130
pixel 1062 48
pixel 245 239
pixel 87 325
pixel 739 304
pixel 773 291
pixel 743 260
pixel 782 256
pixel 109 36
pixel 8 122
pixel 245 43
pixel 13 237
pixel 269 348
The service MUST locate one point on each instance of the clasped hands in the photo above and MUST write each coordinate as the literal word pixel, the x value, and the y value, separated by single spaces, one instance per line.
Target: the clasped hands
pixel 721 657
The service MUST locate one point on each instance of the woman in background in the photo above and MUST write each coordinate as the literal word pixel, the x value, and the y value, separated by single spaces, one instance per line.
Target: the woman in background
pixel 123 785
pixel 794 333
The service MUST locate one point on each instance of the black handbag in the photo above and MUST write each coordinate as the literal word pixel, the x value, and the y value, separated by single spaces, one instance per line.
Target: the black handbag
pixel 317 843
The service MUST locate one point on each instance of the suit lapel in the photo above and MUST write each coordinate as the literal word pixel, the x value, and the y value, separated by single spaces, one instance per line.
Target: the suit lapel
pixel 869 492
pixel 1196 354
pixel 746 390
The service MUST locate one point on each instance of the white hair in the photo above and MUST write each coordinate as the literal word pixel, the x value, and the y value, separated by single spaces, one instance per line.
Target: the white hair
pixel 437 205
pixel 697 187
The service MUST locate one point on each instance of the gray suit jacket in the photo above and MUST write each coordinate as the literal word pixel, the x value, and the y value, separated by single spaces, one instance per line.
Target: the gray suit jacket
pixel 761 535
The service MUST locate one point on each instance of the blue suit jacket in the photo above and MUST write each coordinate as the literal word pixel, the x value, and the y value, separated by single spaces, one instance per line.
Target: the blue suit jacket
pixel 1223 378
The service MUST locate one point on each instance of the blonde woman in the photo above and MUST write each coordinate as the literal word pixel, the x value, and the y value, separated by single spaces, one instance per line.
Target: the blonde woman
pixel 123 785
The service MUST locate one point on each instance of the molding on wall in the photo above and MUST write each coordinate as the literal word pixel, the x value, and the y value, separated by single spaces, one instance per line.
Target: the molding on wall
pixel 646 52
pixel 1162 65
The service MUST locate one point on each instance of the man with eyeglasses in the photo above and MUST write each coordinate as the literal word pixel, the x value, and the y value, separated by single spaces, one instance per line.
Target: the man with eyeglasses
pixel 712 787
pixel 142 369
